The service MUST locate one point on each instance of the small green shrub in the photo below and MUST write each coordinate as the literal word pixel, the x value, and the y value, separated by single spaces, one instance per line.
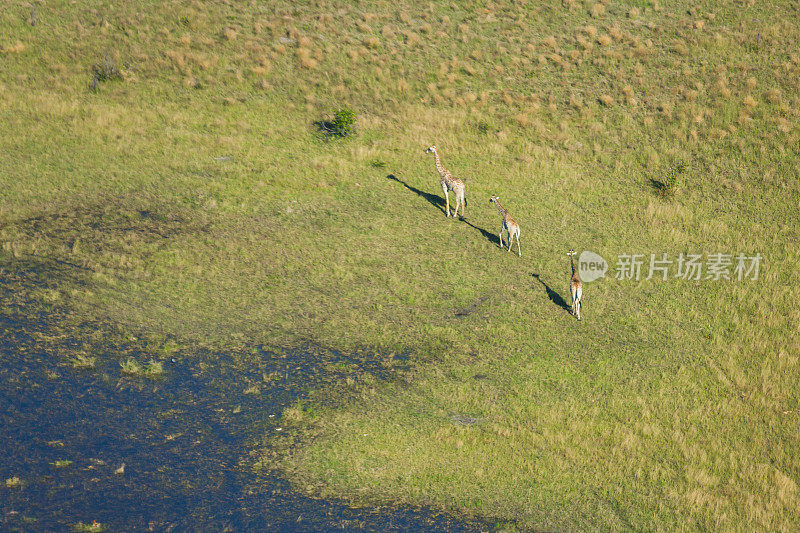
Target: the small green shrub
pixel 342 125
pixel 151 369
pixel 484 126
pixel 93 527
pixel 82 360
pixel 344 122
pixel 104 71
pixel 154 369
pixel 670 180
pixel 130 366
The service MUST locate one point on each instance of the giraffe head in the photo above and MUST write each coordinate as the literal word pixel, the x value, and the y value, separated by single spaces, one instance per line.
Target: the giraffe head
pixel 571 253
pixel 431 150
pixel 493 199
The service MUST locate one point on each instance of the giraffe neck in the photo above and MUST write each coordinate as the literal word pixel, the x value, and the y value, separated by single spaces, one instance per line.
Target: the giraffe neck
pixel 572 263
pixel 439 166
pixel 500 208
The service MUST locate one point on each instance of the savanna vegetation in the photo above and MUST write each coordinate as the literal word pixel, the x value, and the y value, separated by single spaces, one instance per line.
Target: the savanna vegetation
pixel 170 164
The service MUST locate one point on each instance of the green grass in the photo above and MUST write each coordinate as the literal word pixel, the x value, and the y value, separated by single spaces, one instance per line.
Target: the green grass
pixel 193 204
pixel 82 360
pixel 93 527
pixel 132 367
pixel 152 369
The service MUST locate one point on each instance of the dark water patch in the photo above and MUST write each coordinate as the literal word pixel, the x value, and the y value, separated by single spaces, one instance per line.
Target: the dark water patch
pixel 187 442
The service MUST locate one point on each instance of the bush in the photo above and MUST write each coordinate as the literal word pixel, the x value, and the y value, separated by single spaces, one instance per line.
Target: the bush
pixel 344 122
pixel 152 369
pixel 342 125
pixel 670 181
pixel 131 367
pixel 104 71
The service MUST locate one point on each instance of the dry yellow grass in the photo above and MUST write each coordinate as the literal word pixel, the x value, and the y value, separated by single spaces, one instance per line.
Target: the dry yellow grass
pixel 597 10
pixel 773 95
pixel 230 34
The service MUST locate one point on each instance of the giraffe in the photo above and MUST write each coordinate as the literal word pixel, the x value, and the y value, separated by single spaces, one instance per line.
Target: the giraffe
pixel 508 224
pixel 575 287
pixel 449 183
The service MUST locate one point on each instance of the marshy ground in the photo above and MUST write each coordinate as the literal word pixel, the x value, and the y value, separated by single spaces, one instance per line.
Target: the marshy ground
pixel 88 444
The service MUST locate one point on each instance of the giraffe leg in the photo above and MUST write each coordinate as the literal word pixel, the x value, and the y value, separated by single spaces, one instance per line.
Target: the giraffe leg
pixel 500 238
pixel 447 201
pixel 519 250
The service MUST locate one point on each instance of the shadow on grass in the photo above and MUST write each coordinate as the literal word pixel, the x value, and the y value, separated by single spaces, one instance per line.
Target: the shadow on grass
pixel 434 199
pixel 438 202
pixel 662 189
pixel 553 295
pixel 461 313
pixel 326 128
pixel 494 239
pixel 659 187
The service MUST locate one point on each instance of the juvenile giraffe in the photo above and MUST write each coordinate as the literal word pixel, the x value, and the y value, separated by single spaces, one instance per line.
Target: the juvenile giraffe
pixel 449 183
pixel 575 287
pixel 509 225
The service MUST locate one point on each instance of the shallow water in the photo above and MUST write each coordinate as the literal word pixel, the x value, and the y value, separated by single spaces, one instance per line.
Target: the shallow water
pixel 187 440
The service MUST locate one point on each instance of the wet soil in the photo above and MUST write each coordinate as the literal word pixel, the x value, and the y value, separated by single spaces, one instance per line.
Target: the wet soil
pixel 188 440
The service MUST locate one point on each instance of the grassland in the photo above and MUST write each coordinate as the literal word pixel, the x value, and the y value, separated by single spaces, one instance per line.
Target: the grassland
pixel 191 203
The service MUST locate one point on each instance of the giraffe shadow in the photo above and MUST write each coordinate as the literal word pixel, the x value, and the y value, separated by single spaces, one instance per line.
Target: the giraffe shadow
pixel 434 199
pixel 553 295
pixel 494 239
pixel 438 202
